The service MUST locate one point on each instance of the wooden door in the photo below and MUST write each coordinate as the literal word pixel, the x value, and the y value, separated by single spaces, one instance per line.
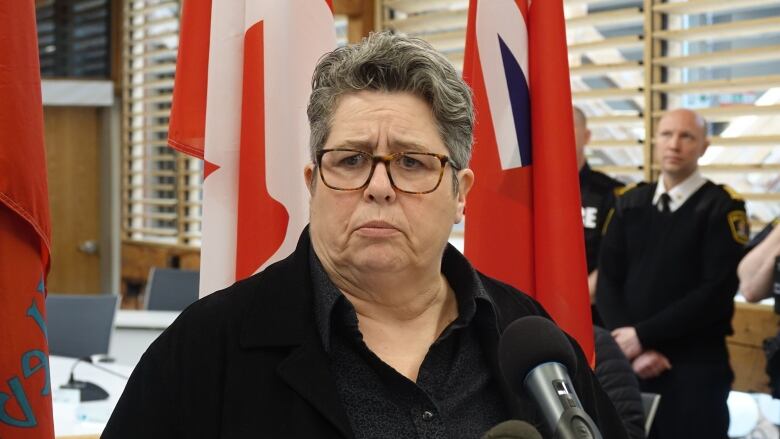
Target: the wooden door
pixel 73 162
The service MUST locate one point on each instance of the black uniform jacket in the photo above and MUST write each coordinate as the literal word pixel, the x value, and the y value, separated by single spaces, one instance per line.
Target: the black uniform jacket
pixel 597 194
pixel 248 362
pixel 674 278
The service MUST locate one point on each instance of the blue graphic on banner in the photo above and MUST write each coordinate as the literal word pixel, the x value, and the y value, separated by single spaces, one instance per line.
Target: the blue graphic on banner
pixel 29 367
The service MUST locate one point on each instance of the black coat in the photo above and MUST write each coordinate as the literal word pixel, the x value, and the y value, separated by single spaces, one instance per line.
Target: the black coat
pixel 617 378
pixel 248 362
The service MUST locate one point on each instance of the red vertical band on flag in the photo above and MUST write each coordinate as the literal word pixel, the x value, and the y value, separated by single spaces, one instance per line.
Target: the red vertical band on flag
pixel 25 230
pixel 499 216
pixel 23 186
pixel 523 224
pixel 187 124
pixel 561 273
pixel 262 221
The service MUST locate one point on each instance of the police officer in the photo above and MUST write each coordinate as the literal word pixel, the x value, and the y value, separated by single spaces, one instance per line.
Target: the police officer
pixel 597 194
pixel 667 282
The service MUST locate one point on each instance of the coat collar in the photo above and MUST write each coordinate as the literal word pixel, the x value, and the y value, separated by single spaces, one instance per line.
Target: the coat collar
pixel 281 311
pixel 281 314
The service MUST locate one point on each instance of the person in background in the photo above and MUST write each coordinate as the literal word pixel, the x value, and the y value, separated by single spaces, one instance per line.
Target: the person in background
pixel 759 278
pixel 757 269
pixel 375 327
pixel 613 370
pixel 597 192
pixel 667 279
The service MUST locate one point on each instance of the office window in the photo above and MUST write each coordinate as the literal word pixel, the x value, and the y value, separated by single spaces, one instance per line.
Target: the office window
pixel 630 60
pixel 161 187
pixel 161 191
pixel 74 38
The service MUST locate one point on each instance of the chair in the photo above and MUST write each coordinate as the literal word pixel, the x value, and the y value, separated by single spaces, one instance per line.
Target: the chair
pixel 170 289
pixel 650 403
pixel 79 325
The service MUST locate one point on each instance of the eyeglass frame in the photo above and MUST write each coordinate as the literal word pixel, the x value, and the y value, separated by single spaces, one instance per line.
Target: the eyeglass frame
pixel 386 159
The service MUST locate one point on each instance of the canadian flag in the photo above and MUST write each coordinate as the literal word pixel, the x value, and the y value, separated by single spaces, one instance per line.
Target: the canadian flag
pixel 243 79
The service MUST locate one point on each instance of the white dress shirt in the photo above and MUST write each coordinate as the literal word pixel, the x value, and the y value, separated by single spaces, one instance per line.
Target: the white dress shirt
pixel 680 193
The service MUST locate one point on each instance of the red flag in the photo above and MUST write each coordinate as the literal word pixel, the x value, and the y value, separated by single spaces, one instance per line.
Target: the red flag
pixel 240 104
pixel 187 123
pixel 523 222
pixel 25 231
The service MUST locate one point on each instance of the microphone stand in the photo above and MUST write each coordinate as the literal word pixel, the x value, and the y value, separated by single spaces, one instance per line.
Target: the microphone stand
pixel 88 391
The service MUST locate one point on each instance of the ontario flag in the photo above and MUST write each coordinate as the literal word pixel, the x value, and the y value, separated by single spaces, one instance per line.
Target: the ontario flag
pixel 523 223
pixel 25 231
pixel 243 78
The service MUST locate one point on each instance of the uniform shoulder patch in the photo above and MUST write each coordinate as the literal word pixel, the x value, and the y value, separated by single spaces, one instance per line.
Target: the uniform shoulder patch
pixel 732 193
pixel 738 224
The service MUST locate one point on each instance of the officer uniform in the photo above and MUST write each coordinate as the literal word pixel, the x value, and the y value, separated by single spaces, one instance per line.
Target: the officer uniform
pixel 597 192
pixel 671 274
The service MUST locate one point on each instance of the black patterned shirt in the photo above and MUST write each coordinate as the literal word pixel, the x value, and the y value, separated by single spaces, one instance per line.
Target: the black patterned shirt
pixel 455 395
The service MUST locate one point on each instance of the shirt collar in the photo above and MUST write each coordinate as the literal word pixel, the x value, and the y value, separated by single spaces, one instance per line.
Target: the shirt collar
pixel 470 293
pixel 679 194
pixel 326 296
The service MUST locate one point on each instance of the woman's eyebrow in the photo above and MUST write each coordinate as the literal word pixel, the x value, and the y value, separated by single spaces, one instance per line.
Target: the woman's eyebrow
pixel 362 145
pixel 404 146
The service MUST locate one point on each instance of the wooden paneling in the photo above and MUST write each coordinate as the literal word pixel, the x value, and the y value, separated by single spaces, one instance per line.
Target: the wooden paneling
pixel 361 16
pixel 73 162
pixel 752 324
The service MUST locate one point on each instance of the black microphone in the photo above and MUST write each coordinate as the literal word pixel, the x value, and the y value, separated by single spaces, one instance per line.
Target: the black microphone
pixel 88 391
pixel 536 356
pixel 513 429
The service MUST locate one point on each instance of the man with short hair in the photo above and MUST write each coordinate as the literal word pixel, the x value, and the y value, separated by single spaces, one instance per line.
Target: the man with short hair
pixel 597 194
pixel 667 278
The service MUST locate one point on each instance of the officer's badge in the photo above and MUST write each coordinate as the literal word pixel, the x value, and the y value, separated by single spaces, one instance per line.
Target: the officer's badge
pixel 738 224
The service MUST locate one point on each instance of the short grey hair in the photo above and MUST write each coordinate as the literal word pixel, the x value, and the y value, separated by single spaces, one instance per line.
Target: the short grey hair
pixel 393 63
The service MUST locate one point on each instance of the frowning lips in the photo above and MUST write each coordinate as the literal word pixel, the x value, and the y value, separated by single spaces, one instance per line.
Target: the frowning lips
pixel 377 228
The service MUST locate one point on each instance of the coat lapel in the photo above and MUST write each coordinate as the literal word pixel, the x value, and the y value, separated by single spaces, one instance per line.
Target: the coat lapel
pixel 282 316
pixel 307 371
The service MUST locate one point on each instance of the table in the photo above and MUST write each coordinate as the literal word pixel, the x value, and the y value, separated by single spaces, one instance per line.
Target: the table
pixel 72 417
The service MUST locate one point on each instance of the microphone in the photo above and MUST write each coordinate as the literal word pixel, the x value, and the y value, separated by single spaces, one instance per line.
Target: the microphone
pixel 88 391
pixel 513 429
pixel 537 357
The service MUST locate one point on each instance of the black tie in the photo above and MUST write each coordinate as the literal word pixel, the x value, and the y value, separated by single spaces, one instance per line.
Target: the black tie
pixel 665 199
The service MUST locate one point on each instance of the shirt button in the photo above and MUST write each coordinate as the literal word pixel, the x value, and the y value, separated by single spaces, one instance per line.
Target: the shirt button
pixel 427 415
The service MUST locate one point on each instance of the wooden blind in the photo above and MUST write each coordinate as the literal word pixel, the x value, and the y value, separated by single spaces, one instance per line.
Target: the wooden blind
pixel 161 191
pixel 630 60
pixel 723 58
pixel 161 188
